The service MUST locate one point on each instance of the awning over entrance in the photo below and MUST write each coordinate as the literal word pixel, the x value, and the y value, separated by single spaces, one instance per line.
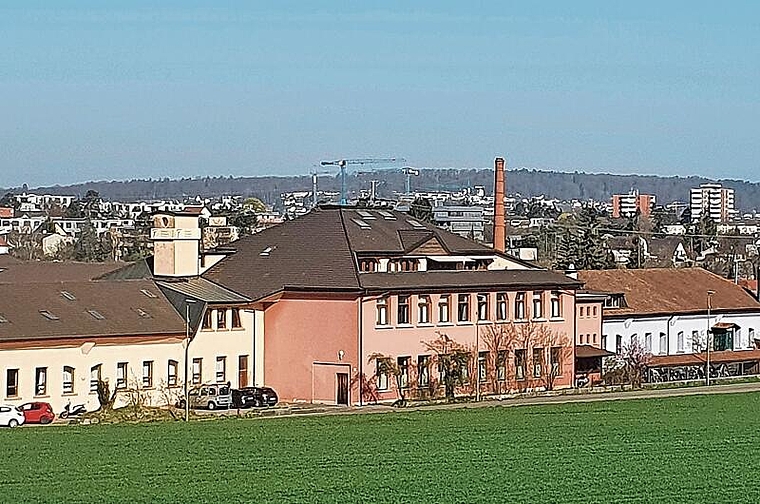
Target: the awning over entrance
pixel 588 351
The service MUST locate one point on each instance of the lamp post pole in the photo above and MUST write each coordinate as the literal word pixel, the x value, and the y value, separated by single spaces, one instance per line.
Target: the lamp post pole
pixel 188 302
pixel 709 332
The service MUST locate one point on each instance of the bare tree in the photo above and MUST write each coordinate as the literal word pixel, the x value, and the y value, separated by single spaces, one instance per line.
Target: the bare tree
pixel 452 360
pixel 636 360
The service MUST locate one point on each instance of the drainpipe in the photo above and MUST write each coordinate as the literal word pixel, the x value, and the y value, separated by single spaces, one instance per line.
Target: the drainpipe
pixel 667 334
pixel 361 350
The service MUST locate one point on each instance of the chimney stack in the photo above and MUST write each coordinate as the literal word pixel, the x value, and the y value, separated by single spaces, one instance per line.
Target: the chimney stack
pixel 499 217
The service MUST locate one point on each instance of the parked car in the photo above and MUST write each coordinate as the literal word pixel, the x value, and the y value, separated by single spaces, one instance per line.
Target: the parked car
pixel 257 397
pixel 10 416
pixel 37 412
pixel 212 396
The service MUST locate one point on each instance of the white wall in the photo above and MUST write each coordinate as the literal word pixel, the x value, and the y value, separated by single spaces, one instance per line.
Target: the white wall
pixel 671 326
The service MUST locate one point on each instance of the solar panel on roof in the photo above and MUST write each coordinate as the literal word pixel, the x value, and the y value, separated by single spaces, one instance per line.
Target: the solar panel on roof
pixel 365 214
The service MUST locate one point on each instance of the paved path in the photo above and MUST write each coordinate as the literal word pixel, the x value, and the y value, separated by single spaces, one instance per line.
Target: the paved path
pixel 540 400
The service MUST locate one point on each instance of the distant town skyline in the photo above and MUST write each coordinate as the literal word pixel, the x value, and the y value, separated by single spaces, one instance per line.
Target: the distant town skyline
pixel 128 90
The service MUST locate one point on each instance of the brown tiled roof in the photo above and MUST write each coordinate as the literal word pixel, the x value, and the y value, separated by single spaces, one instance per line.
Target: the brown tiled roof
pixel 316 252
pixel 724 356
pixel 588 351
pixel 467 280
pixel 666 291
pixel 309 252
pixel 43 272
pixel 124 308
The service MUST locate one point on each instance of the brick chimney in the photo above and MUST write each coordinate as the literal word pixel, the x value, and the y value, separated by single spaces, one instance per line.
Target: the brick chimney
pixel 499 217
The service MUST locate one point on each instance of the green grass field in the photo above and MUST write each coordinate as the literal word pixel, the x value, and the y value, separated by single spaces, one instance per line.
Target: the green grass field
pixel 688 449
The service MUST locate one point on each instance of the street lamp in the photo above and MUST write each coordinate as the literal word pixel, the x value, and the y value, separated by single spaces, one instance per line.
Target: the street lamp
pixel 188 302
pixel 709 331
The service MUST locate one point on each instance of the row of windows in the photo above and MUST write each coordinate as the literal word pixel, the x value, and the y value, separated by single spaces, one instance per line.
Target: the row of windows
pixel 587 311
pixel 146 380
pixel 404 304
pixel 423 365
pixel 221 316
pixel 588 339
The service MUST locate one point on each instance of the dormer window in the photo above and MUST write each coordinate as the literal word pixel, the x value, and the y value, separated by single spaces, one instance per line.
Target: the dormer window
pixel 615 301
pixel 403 265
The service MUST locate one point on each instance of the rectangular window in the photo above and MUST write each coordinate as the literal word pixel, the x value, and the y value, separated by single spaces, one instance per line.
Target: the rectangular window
pixel 11 383
pixel 403 310
pixel 463 308
pixel 443 309
pixel 555 305
pixel 618 344
pixel 520 364
pixel 221 369
pixel 680 342
pixel 595 312
pixel 121 375
pixel 147 373
pixel 604 341
pixel 197 370
pixel 242 371
pixel 501 306
pixel 236 323
pixel 381 307
pixel 538 362
pixel 68 380
pixel 484 312
pixel 221 318
pixel 95 374
pixel 696 343
pixel 423 309
pixel 207 318
pixel 482 366
pixel 423 370
pixel 403 372
pixel 382 375
pixel 538 305
pixel 663 343
pixel 555 359
pixel 520 306
pixel 40 381
pixel 501 365
pixel 171 373
pixel 648 342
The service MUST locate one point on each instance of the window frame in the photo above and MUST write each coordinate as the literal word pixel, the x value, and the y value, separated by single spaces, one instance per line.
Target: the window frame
pixel 68 385
pixel 196 378
pixel 423 309
pixel 483 306
pixel 221 319
pixel 502 306
pixel 220 375
pixel 444 307
pixel 172 373
pixel 463 308
pixel 147 374
pixel 403 315
pixel 555 305
pixel 40 386
pixel 12 385
pixel 537 306
pixel 520 306
pixel 121 369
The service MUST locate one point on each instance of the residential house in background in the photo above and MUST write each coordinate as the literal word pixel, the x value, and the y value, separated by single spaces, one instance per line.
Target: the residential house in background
pixel 628 205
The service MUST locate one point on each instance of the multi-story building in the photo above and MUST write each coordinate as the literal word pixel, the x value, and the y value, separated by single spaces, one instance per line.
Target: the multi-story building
pixel 714 200
pixel 627 205
pixel 467 221
pixel 673 315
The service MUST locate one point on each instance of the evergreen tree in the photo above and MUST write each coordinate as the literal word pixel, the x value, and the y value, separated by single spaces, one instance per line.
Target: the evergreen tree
pixel 89 247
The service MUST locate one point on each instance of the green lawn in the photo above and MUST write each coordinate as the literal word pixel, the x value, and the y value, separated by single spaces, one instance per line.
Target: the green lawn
pixel 688 449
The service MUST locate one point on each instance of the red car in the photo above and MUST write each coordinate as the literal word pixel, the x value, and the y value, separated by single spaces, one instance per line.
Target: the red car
pixel 37 412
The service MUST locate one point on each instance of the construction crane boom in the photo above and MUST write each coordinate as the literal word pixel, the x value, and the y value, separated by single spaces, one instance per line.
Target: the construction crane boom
pixel 343 163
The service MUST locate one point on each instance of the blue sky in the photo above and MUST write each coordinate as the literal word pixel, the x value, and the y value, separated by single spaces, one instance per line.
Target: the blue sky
pixel 93 92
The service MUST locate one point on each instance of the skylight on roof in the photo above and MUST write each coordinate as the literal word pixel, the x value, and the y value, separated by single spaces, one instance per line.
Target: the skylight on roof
pixel 148 293
pixel 96 314
pixel 68 295
pixel 3 320
pixel 386 215
pixel 49 315
pixel 361 224
pixel 365 215
pixel 415 224
pixel 267 251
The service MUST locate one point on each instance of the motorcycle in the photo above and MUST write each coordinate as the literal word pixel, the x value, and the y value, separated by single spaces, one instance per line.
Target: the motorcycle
pixel 72 411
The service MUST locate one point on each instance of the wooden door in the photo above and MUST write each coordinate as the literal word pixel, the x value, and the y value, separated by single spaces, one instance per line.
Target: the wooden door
pixel 242 371
pixel 342 388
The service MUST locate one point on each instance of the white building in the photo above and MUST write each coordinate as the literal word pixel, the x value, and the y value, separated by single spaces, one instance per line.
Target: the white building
pixel 715 200
pixel 665 311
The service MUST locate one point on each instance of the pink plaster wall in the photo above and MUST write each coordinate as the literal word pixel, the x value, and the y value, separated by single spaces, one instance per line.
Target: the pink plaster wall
pixel 589 323
pixel 302 331
pixel 395 341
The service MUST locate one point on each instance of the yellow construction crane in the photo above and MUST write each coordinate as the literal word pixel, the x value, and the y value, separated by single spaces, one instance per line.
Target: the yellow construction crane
pixel 343 163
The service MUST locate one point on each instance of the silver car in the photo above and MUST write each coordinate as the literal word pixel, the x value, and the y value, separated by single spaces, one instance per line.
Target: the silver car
pixel 212 396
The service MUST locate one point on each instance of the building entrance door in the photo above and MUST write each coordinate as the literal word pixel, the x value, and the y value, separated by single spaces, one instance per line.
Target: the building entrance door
pixel 342 379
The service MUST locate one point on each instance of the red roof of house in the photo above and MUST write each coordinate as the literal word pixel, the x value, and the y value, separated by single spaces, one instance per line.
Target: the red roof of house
pixel 6 212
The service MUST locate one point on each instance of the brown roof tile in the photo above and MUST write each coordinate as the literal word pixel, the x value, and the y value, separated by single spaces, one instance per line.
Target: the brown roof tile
pixel 467 280
pixel 659 291
pixel 43 272
pixel 125 310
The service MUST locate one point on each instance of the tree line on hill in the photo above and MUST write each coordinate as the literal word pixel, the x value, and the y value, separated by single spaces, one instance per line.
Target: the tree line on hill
pixel 526 182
